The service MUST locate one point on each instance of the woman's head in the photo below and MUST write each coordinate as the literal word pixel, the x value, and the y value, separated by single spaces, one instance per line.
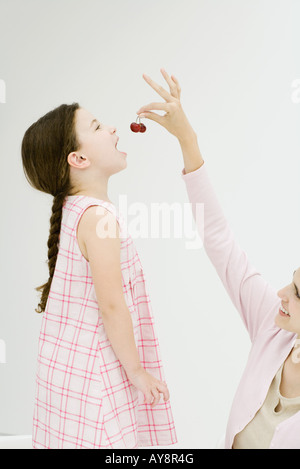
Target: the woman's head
pixel 66 153
pixel 290 296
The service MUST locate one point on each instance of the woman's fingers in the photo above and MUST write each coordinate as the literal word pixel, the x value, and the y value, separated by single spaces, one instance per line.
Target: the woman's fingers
pixel 174 120
pixel 173 84
pixel 157 106
pixel 159 89
pixel 174 90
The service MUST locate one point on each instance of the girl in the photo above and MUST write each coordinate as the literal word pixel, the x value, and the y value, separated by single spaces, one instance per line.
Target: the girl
pixel 266 408
pixel 98 351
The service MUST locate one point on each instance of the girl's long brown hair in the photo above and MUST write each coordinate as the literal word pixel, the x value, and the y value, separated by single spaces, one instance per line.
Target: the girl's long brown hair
pixel 45 147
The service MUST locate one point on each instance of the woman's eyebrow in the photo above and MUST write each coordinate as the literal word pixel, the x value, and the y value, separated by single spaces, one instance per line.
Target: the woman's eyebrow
pixel 295 284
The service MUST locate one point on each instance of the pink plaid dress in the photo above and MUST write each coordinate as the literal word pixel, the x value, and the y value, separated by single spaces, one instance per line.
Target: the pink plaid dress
pixel 83 396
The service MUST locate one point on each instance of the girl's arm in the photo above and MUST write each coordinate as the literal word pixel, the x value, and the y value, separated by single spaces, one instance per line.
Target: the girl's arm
pixel 104 259
pixel 255 299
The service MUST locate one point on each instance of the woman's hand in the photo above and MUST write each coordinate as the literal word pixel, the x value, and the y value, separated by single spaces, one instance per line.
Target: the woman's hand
pixel 149 386
pixel 175 120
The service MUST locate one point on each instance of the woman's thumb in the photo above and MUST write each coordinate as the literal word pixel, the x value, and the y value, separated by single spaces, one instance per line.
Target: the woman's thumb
pixel 153 116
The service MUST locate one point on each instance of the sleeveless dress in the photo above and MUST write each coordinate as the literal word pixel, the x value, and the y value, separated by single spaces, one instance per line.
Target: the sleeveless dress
pixel 83 396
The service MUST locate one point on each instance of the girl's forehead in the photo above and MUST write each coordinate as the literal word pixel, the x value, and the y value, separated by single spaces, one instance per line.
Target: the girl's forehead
pixel 84 119
pixel 84 115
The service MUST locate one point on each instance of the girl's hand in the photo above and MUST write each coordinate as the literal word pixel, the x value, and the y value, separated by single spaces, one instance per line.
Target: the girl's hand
pixel 150 386
pixel 175 120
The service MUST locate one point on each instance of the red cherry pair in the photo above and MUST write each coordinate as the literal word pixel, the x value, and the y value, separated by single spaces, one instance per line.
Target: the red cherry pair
pixel 135 127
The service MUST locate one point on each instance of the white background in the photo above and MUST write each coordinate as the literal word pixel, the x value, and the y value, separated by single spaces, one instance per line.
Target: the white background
pixel 236 62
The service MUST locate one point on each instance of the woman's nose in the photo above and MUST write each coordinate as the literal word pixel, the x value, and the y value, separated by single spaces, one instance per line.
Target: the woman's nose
pixel 283 294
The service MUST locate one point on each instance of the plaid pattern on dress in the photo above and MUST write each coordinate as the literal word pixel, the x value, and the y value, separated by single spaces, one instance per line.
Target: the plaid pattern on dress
pixel 83 396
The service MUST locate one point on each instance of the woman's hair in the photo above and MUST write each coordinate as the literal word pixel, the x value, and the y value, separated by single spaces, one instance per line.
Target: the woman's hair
pixel 45 147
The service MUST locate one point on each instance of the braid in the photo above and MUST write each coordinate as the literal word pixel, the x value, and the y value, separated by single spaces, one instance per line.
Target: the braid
pixel 45 147
pixel 53 246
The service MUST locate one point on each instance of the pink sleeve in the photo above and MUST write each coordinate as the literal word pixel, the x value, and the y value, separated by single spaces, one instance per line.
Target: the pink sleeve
pixel 254 298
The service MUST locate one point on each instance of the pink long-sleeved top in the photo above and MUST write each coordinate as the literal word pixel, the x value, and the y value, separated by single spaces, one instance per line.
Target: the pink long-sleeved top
pixel 257 303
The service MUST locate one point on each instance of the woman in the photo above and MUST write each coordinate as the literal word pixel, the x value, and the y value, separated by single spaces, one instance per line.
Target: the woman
pixel 265 411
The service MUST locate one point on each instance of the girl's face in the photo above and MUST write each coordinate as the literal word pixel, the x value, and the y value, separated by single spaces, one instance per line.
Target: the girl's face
pixel 97 145
pixel 290 296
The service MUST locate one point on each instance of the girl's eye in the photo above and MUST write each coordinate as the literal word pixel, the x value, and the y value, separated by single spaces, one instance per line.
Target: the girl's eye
pixel 98 127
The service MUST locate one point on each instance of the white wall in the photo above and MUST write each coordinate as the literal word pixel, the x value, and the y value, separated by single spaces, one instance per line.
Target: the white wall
pixel 236 62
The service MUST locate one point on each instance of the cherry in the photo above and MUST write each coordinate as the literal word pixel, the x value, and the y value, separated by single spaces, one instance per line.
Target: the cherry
pixel 135 127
